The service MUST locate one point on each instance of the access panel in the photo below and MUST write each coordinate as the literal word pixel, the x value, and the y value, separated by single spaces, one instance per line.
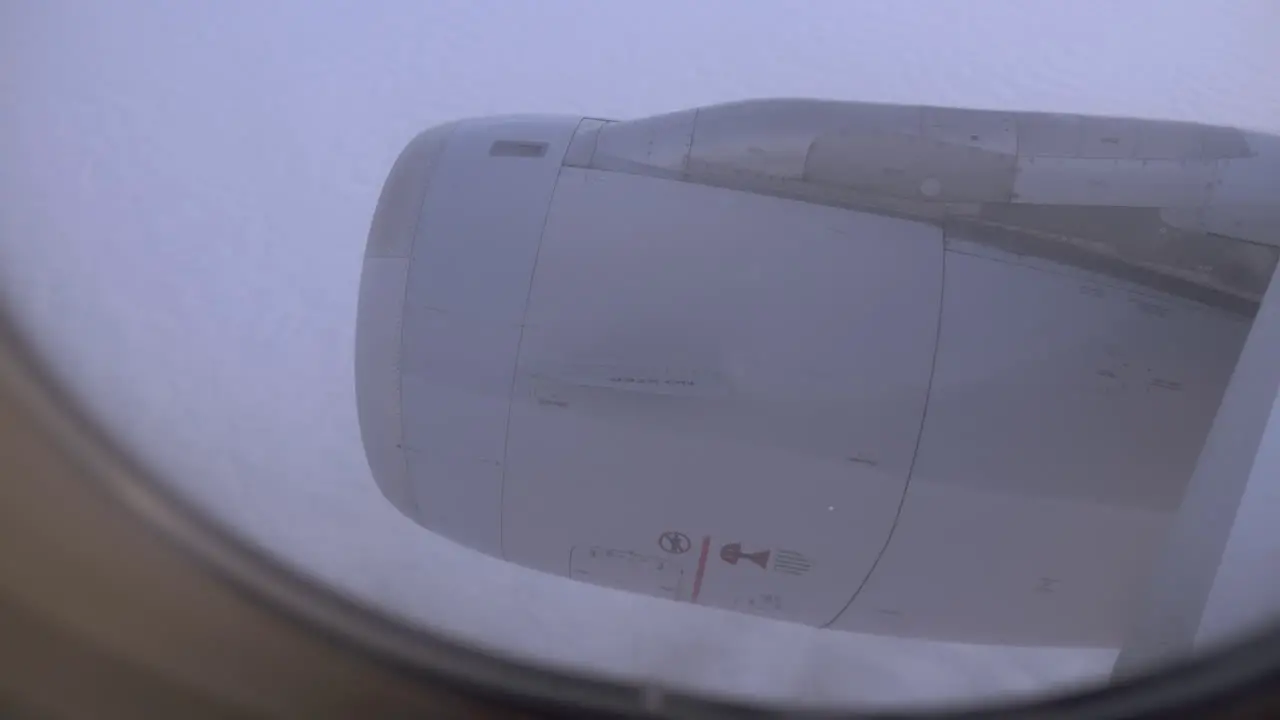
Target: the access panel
pixel 718 394
pixel 1066 415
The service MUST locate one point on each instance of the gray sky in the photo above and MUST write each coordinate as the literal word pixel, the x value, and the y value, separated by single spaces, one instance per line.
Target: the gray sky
pixel 186 189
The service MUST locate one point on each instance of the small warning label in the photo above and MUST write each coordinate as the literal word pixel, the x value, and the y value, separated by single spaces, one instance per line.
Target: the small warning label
pixel 790 562
pixel 676 543
pixel 769 602
pixel 732 553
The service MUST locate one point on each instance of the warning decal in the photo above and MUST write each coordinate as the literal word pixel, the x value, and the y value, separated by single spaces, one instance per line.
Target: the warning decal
pixel 626 570
pixel 732 553
pixel 676 543
pixel 791 563
pixel 702 569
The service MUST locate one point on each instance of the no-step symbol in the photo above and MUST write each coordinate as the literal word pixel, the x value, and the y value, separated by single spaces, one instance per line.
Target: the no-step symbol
pixel 676 543
pixel 732 553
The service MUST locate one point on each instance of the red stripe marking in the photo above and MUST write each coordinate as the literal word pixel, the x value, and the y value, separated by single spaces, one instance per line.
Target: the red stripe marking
pixel 702 569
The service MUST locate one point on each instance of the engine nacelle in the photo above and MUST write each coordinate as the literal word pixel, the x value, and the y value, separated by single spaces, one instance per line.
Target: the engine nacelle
pixel 911 371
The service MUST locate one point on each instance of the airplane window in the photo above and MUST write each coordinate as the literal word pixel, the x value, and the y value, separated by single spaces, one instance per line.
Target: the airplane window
pixel 428 359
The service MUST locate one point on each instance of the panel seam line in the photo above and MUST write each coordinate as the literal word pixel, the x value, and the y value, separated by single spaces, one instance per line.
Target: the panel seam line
pixel 915 453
